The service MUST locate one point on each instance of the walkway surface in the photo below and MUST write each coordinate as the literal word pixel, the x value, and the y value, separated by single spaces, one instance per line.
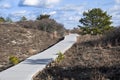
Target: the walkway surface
pixel 32 65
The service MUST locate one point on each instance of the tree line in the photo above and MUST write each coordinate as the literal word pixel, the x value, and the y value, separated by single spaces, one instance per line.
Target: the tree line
pixel 23 18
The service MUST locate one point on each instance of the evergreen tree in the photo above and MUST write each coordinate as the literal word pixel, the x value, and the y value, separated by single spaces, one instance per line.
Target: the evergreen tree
pixel 96 19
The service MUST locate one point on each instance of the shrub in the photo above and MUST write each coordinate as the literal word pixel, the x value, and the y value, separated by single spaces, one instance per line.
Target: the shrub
pixel 60 57
pixel 48 25
pixel 112 37
pixel 14 60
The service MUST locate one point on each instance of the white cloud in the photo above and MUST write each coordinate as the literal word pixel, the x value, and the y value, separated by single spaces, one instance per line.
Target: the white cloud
pixel 114 11
pixel 5 6
pixel 74 18
pixel 18 13
pixel 115 15
pixel 115 8
pixel 117 1
pixel 31 2
pixel 73 8
pixel 71 13
pixel 40 3
pixel 31 17
pixel 50 13
pixel 49 2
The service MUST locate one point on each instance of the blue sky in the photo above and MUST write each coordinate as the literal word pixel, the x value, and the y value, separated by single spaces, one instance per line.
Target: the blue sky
pixel 67 12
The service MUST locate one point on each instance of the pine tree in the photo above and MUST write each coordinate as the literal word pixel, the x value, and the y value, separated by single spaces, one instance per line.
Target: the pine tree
pixel 96 19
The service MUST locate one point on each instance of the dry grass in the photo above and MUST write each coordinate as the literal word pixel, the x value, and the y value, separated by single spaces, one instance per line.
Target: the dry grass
pixel 112 37
pixel 21 42
pixel 88 59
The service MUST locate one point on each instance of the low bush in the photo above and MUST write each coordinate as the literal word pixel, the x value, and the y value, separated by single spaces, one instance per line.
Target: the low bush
pixel 112 37
pixel 14 60
pixel 107 39
pixel 47 25
pixel 60 57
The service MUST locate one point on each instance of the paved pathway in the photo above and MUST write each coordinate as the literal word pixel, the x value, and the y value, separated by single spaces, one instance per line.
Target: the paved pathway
pixel 28 68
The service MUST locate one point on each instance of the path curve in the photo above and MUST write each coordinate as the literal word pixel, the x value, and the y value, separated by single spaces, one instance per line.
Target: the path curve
pixel 28 68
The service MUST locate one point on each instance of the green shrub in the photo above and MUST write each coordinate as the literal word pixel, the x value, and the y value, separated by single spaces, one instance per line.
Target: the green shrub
pixel 60 57
pixel 14 60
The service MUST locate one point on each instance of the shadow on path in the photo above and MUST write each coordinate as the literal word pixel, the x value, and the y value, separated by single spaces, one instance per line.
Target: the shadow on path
pixel 38 61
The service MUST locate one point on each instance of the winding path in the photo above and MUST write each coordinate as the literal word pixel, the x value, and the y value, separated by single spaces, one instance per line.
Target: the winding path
pixel 32 65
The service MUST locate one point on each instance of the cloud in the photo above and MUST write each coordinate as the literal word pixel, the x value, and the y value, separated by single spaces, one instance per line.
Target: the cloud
pixel 73 8
pixel 16 15
pixel 50 13
pixel 115 12
pixel 115 8
pixel 53 13
pixel 5 6
pixel 39 3
pixel 116 18
pixel 74 18
pixel 69 19
pixel 71 13
pixel 31 2
pixel 19 13
pixel 117 1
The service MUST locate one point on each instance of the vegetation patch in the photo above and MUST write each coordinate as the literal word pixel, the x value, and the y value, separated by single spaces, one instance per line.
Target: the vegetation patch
pixel 14 60
pixel 95 21
pixel 87 61
pixel 60 57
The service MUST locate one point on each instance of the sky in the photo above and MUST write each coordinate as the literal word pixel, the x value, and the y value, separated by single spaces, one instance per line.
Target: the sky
pixel 66 12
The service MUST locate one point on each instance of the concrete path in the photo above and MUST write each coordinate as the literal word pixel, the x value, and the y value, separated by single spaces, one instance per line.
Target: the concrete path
pixel 28 68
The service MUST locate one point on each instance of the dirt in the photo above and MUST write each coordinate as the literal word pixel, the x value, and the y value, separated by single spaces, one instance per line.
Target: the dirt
pixel 85 62
pixel 21 42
